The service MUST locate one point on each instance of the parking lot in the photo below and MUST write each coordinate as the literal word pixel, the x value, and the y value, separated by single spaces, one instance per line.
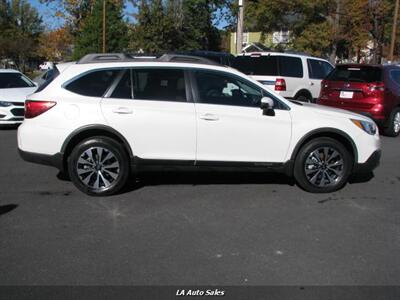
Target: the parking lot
pixel 204 229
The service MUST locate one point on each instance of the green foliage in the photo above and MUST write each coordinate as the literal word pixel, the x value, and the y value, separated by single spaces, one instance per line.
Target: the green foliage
pixel 20 27
pixel 89 37
pixel 176 25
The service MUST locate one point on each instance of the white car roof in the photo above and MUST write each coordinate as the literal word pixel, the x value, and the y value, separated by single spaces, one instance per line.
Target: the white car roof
pixel 62 66
pixel 9 71
pixel 280 54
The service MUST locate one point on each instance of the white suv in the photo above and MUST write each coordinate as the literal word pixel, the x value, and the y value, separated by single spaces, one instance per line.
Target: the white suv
pixel 109 115
pixel 292 76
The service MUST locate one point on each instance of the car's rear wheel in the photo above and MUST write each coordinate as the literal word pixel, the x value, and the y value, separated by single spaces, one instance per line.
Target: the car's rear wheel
pixel 304 97
pixel 394 124
pixel 99 166
pixel 323 165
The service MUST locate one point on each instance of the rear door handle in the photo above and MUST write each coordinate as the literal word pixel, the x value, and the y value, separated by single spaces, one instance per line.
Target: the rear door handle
pixel 209 117
pixel 122 110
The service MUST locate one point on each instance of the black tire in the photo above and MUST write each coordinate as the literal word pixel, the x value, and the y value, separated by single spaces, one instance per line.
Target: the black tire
pixel 393 130
pixel 325 174
pixel 304 97
pixel 105 167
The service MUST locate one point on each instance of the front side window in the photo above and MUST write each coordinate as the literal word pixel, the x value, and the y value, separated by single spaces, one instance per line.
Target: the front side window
pixel 159 84
pixel 290 67
pixel 14 80
pixel 318 69
pixel 93 84
pixel 224 89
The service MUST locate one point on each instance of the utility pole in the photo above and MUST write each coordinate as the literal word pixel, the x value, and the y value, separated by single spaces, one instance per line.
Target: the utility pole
pixel 104 26
pixel 239 28
pixel 394 29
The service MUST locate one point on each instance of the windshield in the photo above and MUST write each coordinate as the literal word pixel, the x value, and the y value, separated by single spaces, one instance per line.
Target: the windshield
pixel 14 80
pixel 356 74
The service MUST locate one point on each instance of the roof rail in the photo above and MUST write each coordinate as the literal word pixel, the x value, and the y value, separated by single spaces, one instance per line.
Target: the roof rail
pixel 187 59
pixel 124 57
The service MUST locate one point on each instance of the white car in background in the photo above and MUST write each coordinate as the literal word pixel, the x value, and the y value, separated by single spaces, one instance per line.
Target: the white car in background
pixel 14 87
pixel 47 65
pixel 293 76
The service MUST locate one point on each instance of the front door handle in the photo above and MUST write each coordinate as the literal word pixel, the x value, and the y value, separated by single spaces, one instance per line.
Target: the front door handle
pixel 209 117
pixel 122 110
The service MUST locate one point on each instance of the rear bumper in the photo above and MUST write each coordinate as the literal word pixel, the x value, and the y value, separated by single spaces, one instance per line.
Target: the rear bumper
pixel 55 160
pixel 371 163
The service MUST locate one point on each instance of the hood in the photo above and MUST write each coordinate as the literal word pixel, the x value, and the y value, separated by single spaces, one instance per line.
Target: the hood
pixel 16 94
pixel 334 112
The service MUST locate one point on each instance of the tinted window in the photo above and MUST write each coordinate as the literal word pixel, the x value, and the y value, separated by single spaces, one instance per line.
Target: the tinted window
pixel 262 65
pixel 318 69
pixel 356 74
pixel 14 80
pixel 93 84
pixel 395 75
pixel 224 89
pixel 290 67
pixel 159 84
pixel 124 88
pixel 50 76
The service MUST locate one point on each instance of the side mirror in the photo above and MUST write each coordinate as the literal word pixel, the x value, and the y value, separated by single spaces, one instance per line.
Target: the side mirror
pixel 267 105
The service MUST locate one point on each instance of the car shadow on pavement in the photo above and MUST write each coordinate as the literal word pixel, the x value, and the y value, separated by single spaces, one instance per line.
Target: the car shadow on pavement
pixel 204 178
pixel 9 127
pixel 361 178
pixel 7 208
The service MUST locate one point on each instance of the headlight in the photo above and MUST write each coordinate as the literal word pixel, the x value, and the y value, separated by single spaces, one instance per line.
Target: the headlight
pixel 368 127
pixel 5 103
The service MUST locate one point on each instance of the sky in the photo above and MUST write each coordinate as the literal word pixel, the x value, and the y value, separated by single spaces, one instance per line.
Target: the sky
pixel 47 11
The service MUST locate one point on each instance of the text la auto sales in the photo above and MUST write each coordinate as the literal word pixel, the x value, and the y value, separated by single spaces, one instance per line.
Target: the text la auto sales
pixel 215 292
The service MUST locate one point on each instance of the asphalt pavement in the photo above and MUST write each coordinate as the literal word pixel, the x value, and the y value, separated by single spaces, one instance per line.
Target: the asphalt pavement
pixel 197 229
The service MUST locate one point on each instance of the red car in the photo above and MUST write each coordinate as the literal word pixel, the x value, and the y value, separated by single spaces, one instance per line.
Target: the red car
pixel 371 90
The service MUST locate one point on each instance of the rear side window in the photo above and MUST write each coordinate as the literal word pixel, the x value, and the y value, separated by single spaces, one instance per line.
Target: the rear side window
pixel 318 69
pixel 123 90
pixel 93 84
pixel 50 76
pixel 14 80
pixel 159 84
pixel 395 75
pixel 356 74
pixel 260 65
pixel 290 67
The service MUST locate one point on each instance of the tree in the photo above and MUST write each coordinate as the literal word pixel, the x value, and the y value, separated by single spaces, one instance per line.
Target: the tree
pixel 56 45
pixel 20 28
pixel 89 36
pixel 176 25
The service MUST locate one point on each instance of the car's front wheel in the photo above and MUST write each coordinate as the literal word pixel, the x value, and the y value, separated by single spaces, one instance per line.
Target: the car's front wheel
pixel 323 165
pixel 99 166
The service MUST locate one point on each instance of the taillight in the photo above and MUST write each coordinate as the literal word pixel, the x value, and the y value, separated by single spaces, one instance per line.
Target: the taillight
pixel 376 89
pixel 280 84
pixel 36 108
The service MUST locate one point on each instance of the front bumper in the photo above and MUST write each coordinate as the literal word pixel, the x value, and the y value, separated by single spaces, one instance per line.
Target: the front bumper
pixel 371 164
pixel 13 114
pixel 55 160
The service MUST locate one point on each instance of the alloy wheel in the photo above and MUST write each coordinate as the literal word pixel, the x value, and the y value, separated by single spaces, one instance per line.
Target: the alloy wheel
pixel 396 122
pixel 98 168
pixel 324 166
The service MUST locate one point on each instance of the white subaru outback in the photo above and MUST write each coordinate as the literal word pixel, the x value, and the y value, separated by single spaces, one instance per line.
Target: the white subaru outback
pixel 109 115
